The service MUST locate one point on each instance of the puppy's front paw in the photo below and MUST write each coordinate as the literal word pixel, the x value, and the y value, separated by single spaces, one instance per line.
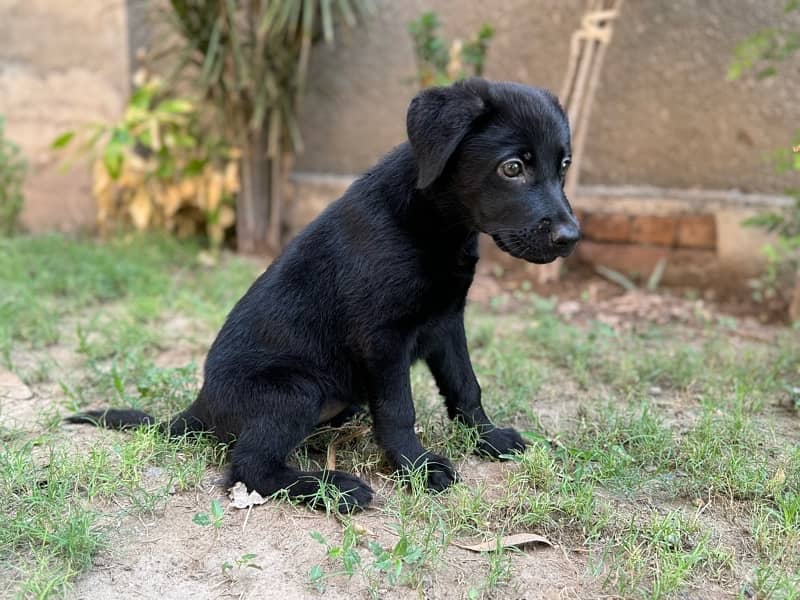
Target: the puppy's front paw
pixel 354 495
pixel 497 441
pixel 437 472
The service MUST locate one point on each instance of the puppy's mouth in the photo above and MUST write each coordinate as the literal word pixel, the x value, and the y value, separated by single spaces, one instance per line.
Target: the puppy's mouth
pixel 535 247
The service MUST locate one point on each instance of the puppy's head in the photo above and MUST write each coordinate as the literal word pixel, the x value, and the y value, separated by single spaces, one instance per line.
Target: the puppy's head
pixel 502 149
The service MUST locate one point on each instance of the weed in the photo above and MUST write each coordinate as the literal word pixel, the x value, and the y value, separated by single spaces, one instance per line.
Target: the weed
pixel 215 517
pixel 245 561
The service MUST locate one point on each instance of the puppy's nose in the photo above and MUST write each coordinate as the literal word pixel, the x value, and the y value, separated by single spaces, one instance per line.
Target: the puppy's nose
pixel 565 234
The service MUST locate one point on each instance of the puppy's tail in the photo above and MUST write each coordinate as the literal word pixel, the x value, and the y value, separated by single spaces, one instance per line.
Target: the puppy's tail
pixel 124 419
pixel 113 418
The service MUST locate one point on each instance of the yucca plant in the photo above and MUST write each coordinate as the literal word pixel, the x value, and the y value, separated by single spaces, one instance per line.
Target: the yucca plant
pixel 250 58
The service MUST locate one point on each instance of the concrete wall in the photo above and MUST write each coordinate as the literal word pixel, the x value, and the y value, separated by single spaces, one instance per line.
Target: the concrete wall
pixel 664 115
pixel 62 64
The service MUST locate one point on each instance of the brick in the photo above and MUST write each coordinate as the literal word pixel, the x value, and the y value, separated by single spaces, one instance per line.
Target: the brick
pixel 630 259
pixel 684 266
pixel 651 229
pixel 606 227
pixel 697 231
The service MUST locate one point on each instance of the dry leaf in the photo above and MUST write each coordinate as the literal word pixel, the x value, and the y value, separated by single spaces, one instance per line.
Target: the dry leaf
pixel 330 462
pixel 240 498
pixel 775 484
pixel 361 529
pixel 330 457
pixel 508 541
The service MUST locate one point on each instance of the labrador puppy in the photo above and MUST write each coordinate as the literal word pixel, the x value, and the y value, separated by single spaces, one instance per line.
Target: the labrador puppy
pixel 378 281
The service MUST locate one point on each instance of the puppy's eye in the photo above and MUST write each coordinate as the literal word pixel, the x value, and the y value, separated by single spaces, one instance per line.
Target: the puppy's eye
pixel 511 168
pixel 565 163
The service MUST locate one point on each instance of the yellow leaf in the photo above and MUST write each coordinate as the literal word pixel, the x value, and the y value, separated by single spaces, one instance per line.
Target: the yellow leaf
pixel 172 200
pixel 232 178
pixel 215 233
pixel 100 179
pixel 130 177
pixel 141 209
pixel 188 188
pixel 214 194
pixel 227 217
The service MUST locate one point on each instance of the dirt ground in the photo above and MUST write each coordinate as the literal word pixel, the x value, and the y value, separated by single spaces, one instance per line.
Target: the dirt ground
pixel 166 556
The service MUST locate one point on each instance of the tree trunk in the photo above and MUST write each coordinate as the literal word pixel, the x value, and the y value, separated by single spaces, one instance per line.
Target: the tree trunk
pixel 253 204
pixel 275 201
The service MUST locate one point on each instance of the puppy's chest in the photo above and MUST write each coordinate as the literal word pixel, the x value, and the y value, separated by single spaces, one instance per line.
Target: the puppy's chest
pixel 448 282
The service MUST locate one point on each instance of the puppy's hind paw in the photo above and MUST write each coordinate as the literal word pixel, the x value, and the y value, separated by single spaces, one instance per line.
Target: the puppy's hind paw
pixel 498 442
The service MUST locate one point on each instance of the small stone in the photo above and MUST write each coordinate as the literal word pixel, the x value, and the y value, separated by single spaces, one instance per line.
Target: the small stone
pixel 569 308
pixel 12 388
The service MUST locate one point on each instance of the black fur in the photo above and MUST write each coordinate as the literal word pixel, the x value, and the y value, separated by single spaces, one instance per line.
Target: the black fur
pixel 378 281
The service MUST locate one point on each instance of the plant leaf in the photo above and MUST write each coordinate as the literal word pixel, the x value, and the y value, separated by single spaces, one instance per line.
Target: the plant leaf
pixel 318 537
pixel 201 519
pixel 62 140
pixel 175 106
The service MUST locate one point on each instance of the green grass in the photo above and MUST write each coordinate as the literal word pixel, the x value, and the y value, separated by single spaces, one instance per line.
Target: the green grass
pixel 49 279
pixel 667 439
pixel 654 555
pixel 51 516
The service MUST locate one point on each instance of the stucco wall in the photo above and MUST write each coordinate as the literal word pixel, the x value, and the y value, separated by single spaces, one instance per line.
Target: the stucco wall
pixel 664 114
pixel 62 64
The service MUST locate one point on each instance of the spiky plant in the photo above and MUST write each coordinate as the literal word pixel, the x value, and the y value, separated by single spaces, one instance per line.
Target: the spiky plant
pixel 250 59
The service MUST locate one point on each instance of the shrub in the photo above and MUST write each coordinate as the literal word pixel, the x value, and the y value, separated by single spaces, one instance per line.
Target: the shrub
pixel 156 168
pixel 12 176
pixel 762 52
pixel 440 62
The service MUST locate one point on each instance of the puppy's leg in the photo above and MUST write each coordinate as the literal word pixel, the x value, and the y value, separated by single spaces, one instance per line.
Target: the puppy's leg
pixel 259 455
pixel 448 359
pixel 393 415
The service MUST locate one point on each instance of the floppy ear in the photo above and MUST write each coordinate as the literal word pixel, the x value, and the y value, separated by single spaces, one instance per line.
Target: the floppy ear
pixel 438 119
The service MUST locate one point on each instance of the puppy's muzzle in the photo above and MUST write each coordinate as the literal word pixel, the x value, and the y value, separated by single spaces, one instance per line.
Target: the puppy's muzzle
pixel 541 244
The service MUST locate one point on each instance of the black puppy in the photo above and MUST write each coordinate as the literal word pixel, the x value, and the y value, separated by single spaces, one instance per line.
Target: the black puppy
pixel 378 281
